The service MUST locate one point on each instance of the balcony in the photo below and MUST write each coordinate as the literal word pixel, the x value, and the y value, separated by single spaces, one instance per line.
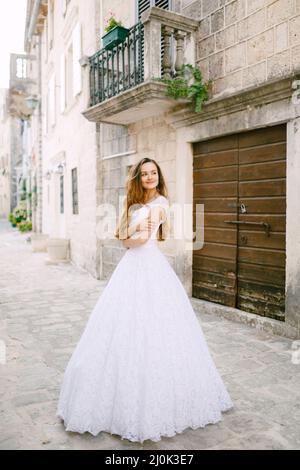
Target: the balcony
pixel 122 81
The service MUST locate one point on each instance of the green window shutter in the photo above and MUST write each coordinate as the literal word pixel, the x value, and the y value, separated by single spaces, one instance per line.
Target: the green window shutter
pixel 143 5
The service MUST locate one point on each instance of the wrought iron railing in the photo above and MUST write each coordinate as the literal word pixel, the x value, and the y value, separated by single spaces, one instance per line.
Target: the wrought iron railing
pixel 118 69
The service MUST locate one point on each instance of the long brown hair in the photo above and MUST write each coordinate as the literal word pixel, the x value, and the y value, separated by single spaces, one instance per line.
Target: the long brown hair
pixel 135 196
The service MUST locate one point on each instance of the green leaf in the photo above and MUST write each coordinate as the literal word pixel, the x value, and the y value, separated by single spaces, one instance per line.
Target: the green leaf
pixel 178 87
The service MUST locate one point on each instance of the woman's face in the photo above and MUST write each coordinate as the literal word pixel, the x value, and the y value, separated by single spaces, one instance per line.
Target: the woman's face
pixel 149 175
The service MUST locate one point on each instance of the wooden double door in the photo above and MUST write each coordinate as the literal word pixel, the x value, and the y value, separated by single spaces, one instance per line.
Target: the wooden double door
pixel 241 180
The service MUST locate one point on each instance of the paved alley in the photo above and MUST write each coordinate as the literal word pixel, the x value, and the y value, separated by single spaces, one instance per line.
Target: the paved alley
pixel 43 311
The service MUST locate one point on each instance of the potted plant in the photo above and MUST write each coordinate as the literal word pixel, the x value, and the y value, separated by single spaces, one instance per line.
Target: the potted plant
pixel 115 33
pixel 20 214
pixel 12 219
pixel 25 226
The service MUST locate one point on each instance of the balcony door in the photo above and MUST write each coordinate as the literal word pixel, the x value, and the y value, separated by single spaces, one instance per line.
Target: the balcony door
pixel 143 5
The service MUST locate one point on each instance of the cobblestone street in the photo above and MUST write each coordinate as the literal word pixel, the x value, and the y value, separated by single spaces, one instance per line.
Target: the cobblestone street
pixel 44 309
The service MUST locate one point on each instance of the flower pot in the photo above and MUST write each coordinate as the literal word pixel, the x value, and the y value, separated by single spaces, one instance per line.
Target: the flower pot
pixel 114 36
pixel 39 242
pixel 58 249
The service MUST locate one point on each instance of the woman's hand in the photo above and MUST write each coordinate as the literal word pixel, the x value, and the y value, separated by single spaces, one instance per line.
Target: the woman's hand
pixel 146 225
pixel 132 243
pixel 144 228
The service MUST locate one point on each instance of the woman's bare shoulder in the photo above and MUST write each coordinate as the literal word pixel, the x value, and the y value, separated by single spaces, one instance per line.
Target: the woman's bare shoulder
pixel 162 199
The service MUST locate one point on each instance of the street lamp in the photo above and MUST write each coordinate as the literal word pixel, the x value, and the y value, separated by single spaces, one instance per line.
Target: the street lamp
pixel 60 169
pixel 32 102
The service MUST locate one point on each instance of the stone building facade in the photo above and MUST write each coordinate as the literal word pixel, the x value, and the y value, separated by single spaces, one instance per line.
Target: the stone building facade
pixel 250 51
pixel 4 155
pixel 56 34
pixel 15 127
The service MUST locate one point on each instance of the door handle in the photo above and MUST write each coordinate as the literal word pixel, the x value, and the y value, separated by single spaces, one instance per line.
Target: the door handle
pixel 265 225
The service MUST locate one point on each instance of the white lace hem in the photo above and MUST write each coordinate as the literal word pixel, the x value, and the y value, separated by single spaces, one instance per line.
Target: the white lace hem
pixel 171 432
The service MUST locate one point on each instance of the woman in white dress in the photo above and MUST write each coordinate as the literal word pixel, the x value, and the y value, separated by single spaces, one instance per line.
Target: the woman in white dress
pixel 142 368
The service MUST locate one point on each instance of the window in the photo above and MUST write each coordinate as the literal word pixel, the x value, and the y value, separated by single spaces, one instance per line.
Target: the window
pixel 76 46
pixel 51 23
pixel 71 69
pixel 74 191
pixel 69 76
pixel 143 5
pixel 51 94
pixel 61 190
pixel 21 68
pixel 64 6
pixel 62 82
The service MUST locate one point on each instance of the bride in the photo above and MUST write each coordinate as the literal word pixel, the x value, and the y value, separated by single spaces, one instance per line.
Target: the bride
pixel 142 368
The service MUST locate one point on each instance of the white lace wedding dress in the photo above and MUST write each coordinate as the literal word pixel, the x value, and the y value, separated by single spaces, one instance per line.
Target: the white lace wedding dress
pixel 142 368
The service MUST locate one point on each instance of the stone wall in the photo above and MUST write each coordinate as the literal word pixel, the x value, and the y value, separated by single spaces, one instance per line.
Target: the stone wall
pixel 151 138
pixel 71 139
pixel 243 43
pixel 4 157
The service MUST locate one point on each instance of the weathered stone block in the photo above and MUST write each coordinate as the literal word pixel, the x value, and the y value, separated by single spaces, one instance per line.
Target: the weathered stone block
pixel 281 37
pixel 255 74
pixel 235 11
pixel 185 3
pixel 208 6
pixel 296 58
pixel 253 5
pixel 204 67
pixel 206 47
pixel 216 65
pixel 107 253
pixel 228 84
pixel 193 10
pixel 252 25
pixel 295 31
pixel 204 28
pixel 226 38
pixel 118 253
pixel 235 57
pixel 260 47
pixel 217 20
pixel 279 64
pixel 279 11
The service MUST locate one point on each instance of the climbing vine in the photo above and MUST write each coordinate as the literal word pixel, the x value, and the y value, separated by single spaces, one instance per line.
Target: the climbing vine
pixel 188 83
